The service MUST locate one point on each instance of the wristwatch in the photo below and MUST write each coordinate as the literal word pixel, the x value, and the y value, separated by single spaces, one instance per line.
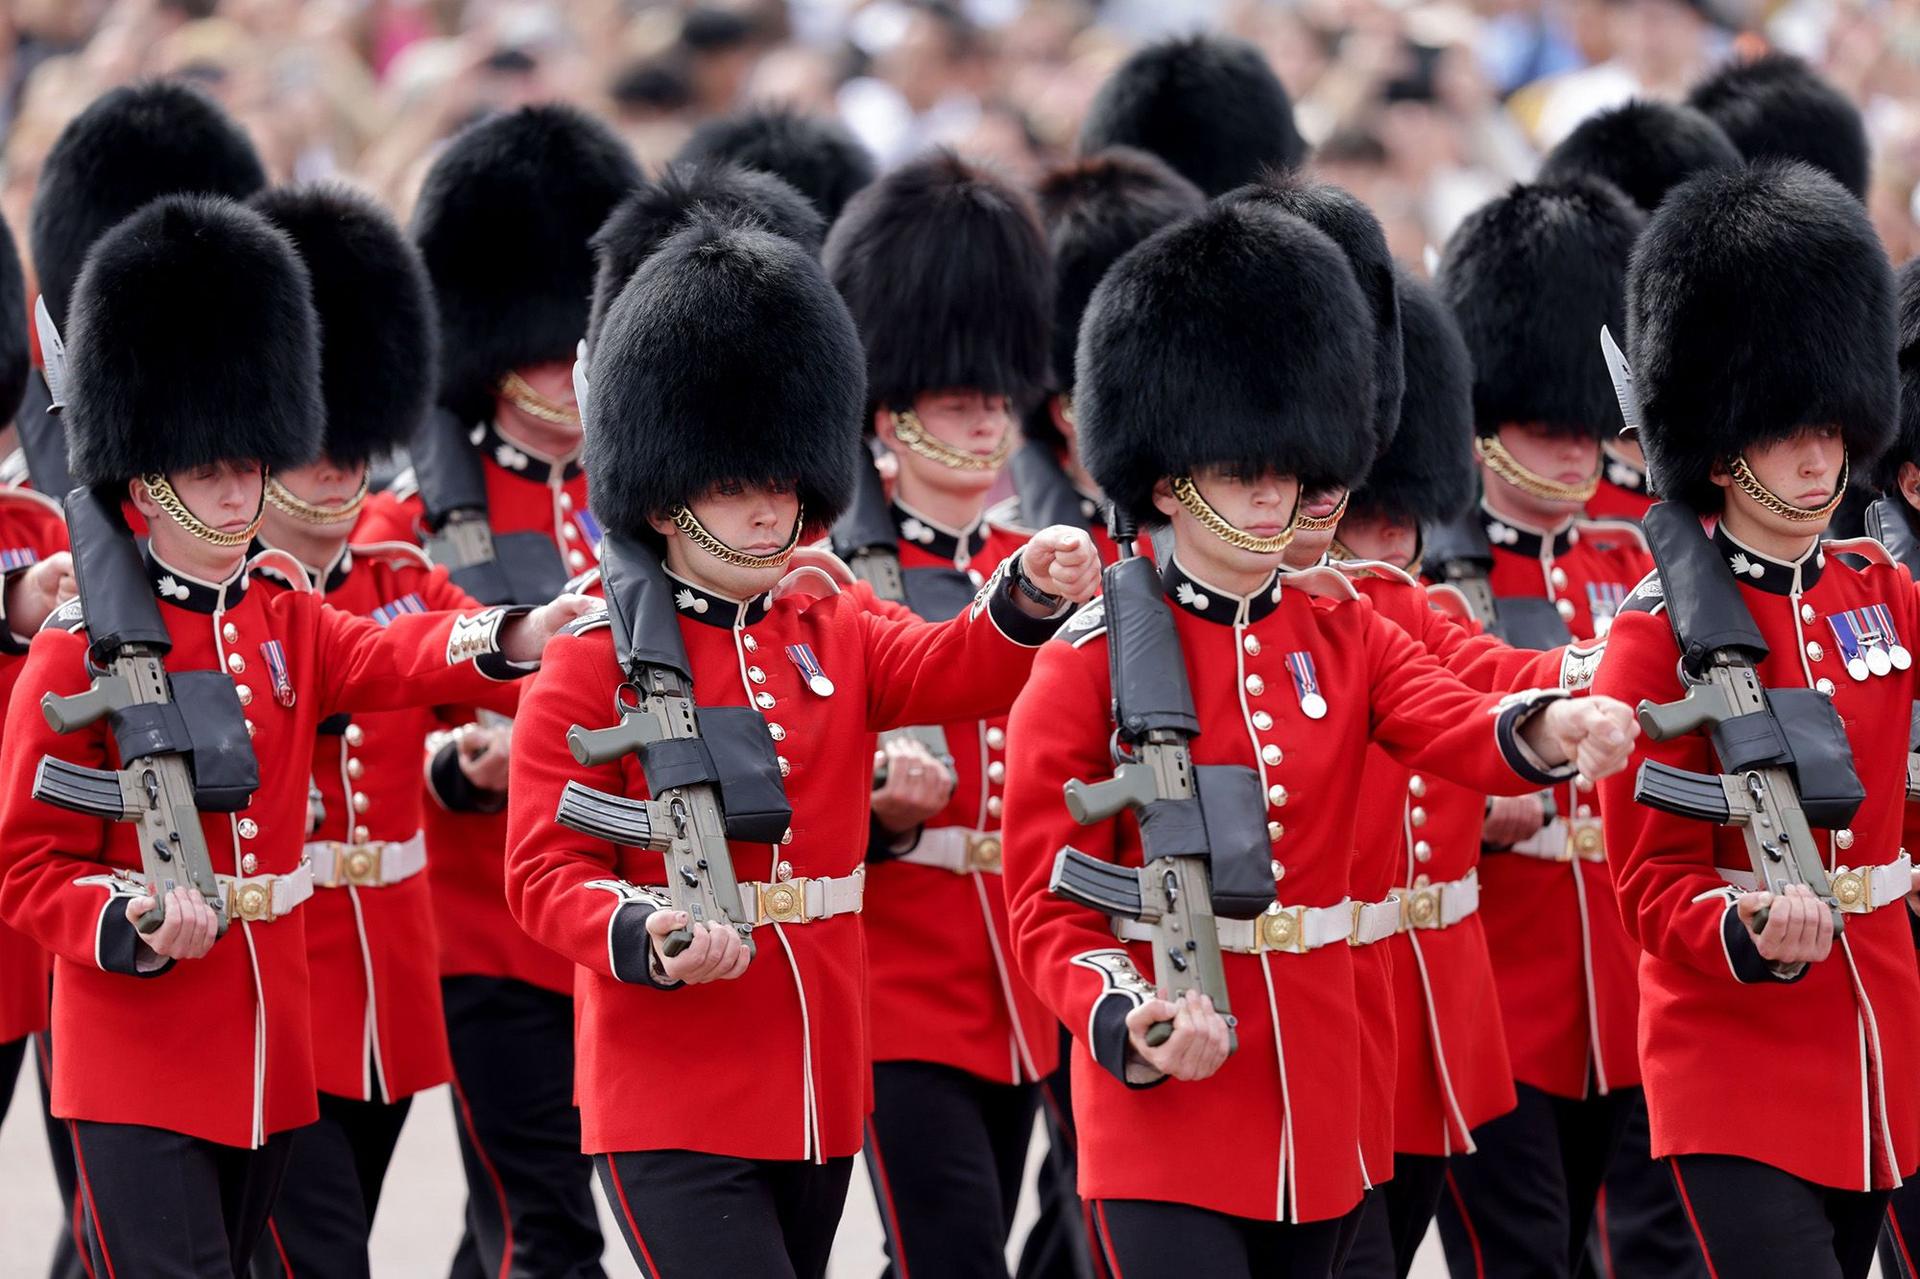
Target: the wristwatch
pixel 1018 576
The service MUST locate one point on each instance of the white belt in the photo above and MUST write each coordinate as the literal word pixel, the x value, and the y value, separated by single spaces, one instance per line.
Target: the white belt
pixel 801 900
pixel 261 899
pixel 1375 921
pixel 1562 841
pixel 1297 929
pixel 957 849
pixel 370 865
pixel 1856 892
pixel 1441 905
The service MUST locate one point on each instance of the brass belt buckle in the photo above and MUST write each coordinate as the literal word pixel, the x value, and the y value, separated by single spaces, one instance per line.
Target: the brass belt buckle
pixel 1421 907
pixel 1585 841
pixel 251 901
pixel 1852 892
pixel 1353 929
pixel 1282 929
pixel 360 864
pixel 983 853
pixel 784 901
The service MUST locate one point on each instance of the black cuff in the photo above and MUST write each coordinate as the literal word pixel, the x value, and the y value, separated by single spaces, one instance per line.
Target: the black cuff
pixel 117 945
pixel 998 598
pixel 630 948
pixel 495 666
pixel 8 644
pixel 1744 958
pixel 454 792
pixel 881 841
pixel 1111 1046
pixel 1506 730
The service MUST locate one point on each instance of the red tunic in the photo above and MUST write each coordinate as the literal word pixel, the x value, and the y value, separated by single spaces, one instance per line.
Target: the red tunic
pixel 218 1047
pixel 378 1031
pixel 31 528
pixel 944 988
pixel 1279 1122
pixel 1840 1046
pixel 1565 971
pixel 775 1064
pixel 525 493
pixel 1622 494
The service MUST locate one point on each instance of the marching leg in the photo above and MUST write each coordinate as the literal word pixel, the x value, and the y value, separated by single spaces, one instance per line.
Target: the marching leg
pixel 12 1053
pixel 1412 1197
pixel 324 1215
pixel 1371 1254
pixel 1149 1239
pixel 1900 1237
pixel 70 1259
pixel 809 1199
pixel 1058 1245
pixel 1754 1219
pixel 1644 1233
pixel 1590 1131
pixel 1505 1208
pixel 687 1213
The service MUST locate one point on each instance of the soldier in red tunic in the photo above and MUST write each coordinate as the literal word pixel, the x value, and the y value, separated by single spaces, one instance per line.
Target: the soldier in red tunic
pixel 1221 363
pixel 1762 332
pixel 722 1088
pixel 184 1055
pixel 945 271
pixel 498 497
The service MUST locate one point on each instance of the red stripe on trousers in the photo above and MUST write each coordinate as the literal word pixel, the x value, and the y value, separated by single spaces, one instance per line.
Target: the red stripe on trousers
pixel 1686 1202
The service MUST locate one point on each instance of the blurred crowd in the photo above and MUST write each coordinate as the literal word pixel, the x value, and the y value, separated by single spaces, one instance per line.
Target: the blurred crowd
pixel 1424 108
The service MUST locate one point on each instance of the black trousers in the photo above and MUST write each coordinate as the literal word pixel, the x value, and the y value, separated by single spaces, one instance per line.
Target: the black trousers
pixel 162 1205
pixel 1394 1219
pixel 12 1053
pixel 684 1213
pixel 1522 1202
pixel 946 1152
pixel 1060 1244
pixel 1753 1219
pixel 530 1211
pixel 1900 1237
pixel 70 1257
pixel 1640 1230
pixel 324 1216
pixel 1147 1239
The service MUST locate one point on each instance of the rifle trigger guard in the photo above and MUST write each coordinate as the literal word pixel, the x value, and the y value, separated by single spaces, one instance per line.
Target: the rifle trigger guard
pixel 1121 755
pixel 621 705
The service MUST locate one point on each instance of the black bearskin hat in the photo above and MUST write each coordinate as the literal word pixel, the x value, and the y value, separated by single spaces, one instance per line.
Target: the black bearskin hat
pixel 1645 148
pixel 131 145
pixel 656 209
pixel 193 340
pixel 1428 473
pixel 1776 107
pixel 945 270
pixel 1531 278
pixel 503 221
pixel 1907 447
pixel 820 158
pixel 1235 338
pixel 1352 226
pixel 727 356
pixel 378 340
pixel 1209 105
pixel 1760 302
pixel 13 326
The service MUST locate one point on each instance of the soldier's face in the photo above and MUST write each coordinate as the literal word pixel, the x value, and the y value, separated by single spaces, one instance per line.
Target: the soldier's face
pixel 1803 470
pixel 1391 539
pixel 755 519
pixel 967 420
pixel 1560 456
pixel 1309 544
pixel 224 495
pixel 1261 505
pixel 326 484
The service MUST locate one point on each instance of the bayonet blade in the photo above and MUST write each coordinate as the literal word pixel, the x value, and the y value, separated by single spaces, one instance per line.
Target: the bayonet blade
pixel 53 354
pixel 1624 389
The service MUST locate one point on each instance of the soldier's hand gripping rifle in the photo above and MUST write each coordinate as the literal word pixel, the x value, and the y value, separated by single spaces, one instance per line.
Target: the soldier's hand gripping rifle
pixel 712 772
pixel 1202 829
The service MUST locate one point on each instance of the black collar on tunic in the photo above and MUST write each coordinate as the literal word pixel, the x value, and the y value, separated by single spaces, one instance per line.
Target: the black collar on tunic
pixel 956 546
pixel 702 605
pixel 1213 604
pixel 518 459
pixel 1776 577
pixel 172 586
pixel 1623 474
pixel 1504 534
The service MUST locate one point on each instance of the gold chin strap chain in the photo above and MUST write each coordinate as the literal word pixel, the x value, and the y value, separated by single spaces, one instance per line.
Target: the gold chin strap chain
pixel 285 500
pixel 522 396
pixel 1304 523
pixel 1491 451
pixel 169 501
pixel 907 425
pixel 1215 523
pixel 687 522
pixel 1750 485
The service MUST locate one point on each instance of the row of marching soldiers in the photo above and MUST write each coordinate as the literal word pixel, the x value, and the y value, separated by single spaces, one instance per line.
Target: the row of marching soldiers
pixel 1463 970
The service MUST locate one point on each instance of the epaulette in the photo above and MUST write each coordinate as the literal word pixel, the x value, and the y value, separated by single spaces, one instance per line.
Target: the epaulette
pixel 591 620
pixel 33 497
pixel 1579 663
pixel 1374 568
pixel 1647 597
pixel 396 554
pixel 821 556
pixel 68 617
pixel 1005 516
pixel 282 567
pixel 1867 548
pixel 1089 620
pixel 1321 582
pixel 581 583
pixel 1450 601
pixel 13 469
pixel 1614 533
pixel 405 485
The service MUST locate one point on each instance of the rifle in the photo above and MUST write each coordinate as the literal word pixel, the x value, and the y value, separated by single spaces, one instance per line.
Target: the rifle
pixel 866 539
pixel 494 568
pixel 708 769
pixel 1203 839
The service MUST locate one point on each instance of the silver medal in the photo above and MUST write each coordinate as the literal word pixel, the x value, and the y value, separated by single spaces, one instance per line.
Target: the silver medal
pixel 1314 706
pixel 1878 661
pixel 1902 659
pixel 1857 668
pixel 821 685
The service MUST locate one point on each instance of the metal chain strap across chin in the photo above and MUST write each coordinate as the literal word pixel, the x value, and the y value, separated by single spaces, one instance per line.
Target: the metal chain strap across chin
pixel 914 434
pixel 1304 523
pixel 1188 495
pixel 289 503
pixel 169 501
pixel 520 393
pixel 1750 484
pixel 1491 451
pixel 688 523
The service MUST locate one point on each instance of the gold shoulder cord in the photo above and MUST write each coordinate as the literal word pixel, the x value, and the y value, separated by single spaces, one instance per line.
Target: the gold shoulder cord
pixel 1304 523
pixel 520 393
pixel 306 512
pixel 1215 523
pixel 1750 485
pixel 687 522
pixel 169 501
pixel 907 425
pixel 1490 450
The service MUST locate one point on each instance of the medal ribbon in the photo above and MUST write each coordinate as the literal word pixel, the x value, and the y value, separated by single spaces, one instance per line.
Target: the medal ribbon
pixel 276 658
pixel 801 655
pixel 1306 683
pixel 408 603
